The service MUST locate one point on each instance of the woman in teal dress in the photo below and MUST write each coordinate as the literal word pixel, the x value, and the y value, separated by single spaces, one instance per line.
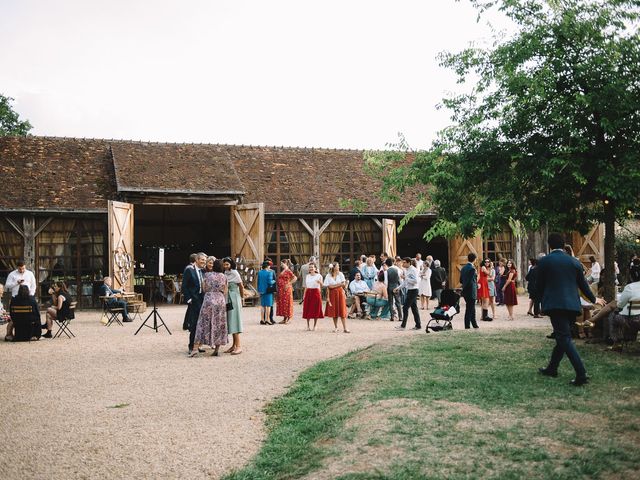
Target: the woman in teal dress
pixel 234 295
pixel 266 279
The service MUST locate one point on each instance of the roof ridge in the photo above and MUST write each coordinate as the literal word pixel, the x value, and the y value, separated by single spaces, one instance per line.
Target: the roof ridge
pixel 235 145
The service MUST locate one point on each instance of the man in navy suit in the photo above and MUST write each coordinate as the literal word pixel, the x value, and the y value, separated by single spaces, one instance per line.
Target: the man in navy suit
pixel 469 281
pixel 559 278
pixel 105 290
pixel 192 290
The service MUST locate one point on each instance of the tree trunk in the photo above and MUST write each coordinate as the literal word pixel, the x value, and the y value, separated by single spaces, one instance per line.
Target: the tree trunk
pixel 608 275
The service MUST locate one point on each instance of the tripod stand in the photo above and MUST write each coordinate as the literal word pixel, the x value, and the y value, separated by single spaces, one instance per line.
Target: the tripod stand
pixel 154 312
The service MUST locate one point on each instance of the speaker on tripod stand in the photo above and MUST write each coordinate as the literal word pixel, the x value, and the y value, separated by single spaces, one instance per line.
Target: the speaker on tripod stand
pixel 156 259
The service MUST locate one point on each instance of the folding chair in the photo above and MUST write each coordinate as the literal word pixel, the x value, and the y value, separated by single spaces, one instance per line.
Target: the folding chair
pixel 630 331
pixel 63 324
pixel 111 313
pixel 24 322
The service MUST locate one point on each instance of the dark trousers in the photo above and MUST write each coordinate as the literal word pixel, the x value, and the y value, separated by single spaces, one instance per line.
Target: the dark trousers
pixel 561 321
pixel 536 306
pixel 394 298
pixel 411 302
pixel 193 312
pixel 470 312
pixel 120 304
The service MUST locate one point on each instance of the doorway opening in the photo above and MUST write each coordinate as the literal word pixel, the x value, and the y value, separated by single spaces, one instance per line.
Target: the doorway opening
pixel 410 241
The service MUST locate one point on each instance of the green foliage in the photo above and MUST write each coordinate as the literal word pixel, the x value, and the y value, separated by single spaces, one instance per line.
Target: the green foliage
pixel 469 406
pixel 549 127
pixel 10 123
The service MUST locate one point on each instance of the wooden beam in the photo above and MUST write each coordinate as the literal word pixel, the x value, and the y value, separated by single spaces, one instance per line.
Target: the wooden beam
pixel 29 228
pixel 324 226
pixel 43 226
pixel 306 226
pixel 15 226
pixel 377 222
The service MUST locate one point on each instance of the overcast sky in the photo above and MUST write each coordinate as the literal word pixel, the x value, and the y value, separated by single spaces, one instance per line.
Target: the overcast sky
pixel 294 73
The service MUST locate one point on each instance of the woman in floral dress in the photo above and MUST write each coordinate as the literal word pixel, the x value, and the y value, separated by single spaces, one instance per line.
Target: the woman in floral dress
pixel 212 323
pixel 286 279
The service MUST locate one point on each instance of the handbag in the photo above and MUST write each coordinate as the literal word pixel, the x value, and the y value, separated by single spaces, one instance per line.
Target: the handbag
pixel 229 306
pixel 272 288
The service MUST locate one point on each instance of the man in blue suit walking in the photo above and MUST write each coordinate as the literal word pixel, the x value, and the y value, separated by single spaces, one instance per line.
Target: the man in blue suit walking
pixel 559 278
pixel 469 281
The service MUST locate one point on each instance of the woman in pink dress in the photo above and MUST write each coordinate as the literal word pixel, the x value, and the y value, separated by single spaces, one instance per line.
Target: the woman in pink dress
pixel 509 288
pixel 286 279
pixel 212 322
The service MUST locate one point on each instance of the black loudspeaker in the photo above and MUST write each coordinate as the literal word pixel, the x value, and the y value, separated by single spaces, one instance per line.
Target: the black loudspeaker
pixel 155 262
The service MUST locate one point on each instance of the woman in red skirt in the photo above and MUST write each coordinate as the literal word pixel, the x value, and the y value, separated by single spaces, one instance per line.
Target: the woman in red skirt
pixel 509 288
pixel 336 299
pixel 483 289
pixel 312 300
pixel 286 279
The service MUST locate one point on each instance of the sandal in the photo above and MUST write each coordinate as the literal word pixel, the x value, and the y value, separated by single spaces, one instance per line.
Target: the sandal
pixel 230 350
pixel 236 352
pixel 347 331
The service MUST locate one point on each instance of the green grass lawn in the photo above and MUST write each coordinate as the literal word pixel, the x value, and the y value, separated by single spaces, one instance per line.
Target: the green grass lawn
pixel 456 405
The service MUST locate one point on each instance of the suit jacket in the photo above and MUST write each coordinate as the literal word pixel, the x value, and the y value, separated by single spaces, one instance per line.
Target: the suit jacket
pixel 393 277
pixel 469 281
pixel 104 291
pixel 559 278
pixel 191 285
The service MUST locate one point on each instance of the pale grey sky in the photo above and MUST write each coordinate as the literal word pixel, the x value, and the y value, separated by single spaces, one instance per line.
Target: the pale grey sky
pixel 294 73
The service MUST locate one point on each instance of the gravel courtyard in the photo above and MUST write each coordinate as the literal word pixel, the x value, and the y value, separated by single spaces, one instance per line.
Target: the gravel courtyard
pixel 108 404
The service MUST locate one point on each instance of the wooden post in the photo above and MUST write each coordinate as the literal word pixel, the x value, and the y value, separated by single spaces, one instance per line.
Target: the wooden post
pixel 29 236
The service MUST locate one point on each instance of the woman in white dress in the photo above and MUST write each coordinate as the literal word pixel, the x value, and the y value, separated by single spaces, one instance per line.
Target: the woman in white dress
pixel 425 285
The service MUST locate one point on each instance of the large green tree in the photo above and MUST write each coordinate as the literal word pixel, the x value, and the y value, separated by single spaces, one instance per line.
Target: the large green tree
pixel 547 130
pixel 10 123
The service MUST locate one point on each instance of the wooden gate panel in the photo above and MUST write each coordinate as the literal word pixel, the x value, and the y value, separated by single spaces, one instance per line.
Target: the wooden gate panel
pixel 247 232
pixel 121 260
pixel 459 248
pixel 389 236
pixel 590 244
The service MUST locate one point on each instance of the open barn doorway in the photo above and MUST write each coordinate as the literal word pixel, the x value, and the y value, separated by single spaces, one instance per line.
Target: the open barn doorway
pixel 411 241
pixel 180 230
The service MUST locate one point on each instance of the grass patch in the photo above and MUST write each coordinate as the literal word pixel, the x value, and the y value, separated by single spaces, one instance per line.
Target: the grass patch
pixel 119 405
pixel 455 406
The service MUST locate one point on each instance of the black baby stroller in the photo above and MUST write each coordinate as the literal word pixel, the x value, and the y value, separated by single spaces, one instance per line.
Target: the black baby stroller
pixel 441 317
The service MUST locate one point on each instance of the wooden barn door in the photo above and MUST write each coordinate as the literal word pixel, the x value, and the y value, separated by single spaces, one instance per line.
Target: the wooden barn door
pixel 459 248
pixel 121 244
pixel 389 236
pixel 247 232
pixel 590 244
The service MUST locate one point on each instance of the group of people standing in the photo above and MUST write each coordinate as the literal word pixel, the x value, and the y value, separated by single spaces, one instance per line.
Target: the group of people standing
pixel 495 285
pixel 213 291
pixel 21 283
pixel 387 291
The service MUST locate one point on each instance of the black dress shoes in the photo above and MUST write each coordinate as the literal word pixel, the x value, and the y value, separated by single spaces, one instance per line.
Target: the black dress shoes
pixel 547 373
pixel 551 335
pixel 579 381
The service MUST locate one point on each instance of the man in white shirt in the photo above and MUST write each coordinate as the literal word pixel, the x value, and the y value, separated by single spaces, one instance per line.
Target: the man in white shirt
pixel 419 261
pixel 358 289
pixel 410 282
pixel 21 276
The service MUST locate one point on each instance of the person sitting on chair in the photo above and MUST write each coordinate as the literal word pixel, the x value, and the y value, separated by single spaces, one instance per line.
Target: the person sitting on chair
pixel 26 326
pixel 59 309
pixel 358 289
pixel 105 290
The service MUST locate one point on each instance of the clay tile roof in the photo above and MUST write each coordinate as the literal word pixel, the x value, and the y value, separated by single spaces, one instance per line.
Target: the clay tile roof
pixel 41 173
pixel 310 180
pixel 173 168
